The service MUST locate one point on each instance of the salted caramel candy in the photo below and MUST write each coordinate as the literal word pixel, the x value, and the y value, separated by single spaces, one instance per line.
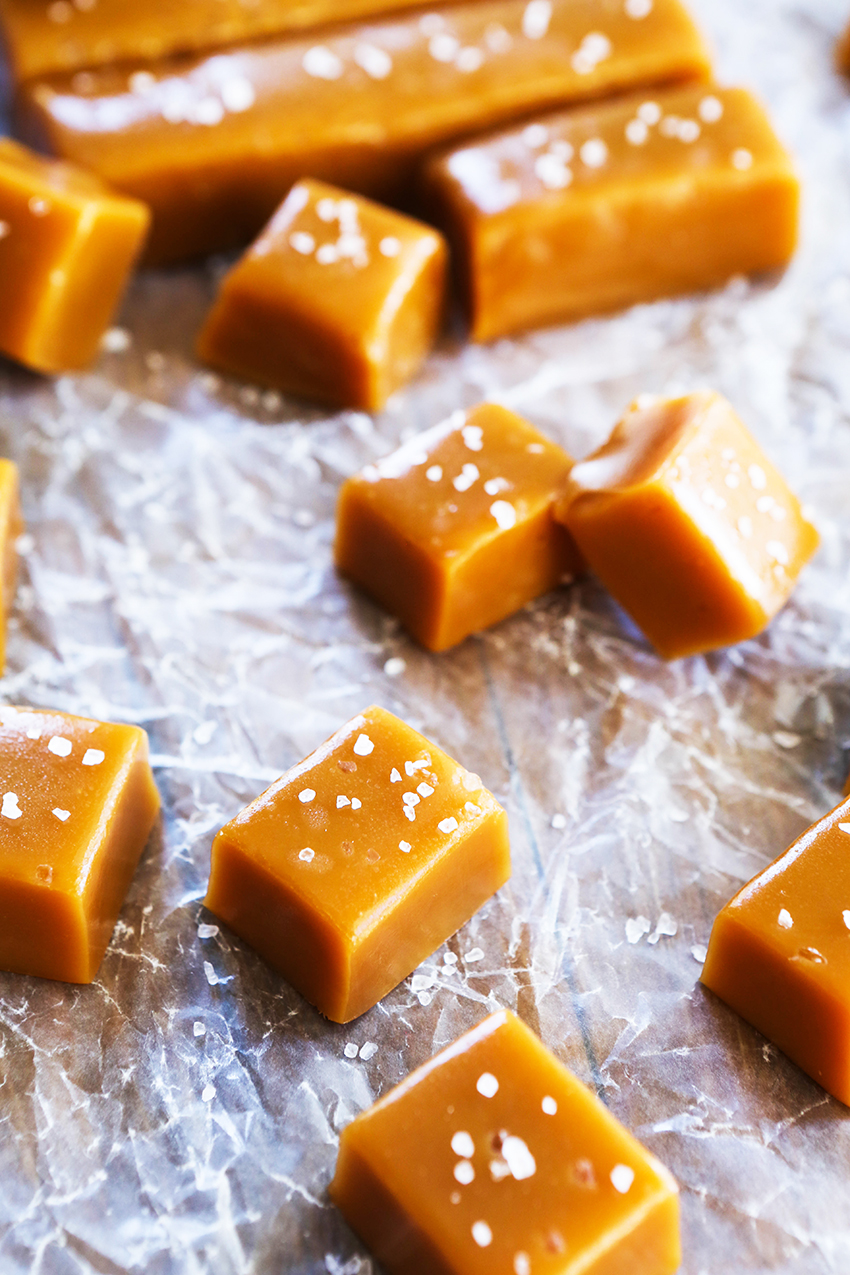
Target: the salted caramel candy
pixel 213 143
pixel 11 526
pixel 67 245
pixel 455 530
pixel 77 806
pixel 687 523
pixel 493 1157
pixel 360 861
pixel 339 299
pixel 779 952
pixel 619 202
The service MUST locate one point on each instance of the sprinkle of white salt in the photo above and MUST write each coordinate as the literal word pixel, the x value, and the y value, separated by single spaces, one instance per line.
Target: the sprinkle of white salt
pixel 464 1172
pixel 350 1049
pixel 306 795
pixel 463 1145
pixel 519 1159
pixel 389 246
pixel 395 777
pixel 434 473
pixel 481 1232
pixel 742 159
pixel 448 825
pixel 59 746
pixel 594 153
pixel 376 62
pixel 301 241
pixel 60 814
pixel 395 666
pixel 306 855
pixel 785 919
pixel 322 63
pixel 93 757
pixel 622 1178
pixel 405 847
pixel 549 1105
pixel 368 1050
pixel 710 110
pixel 536 19
pixel 487 1085
pixel 504 513
pixel 363 746
pixel 846 915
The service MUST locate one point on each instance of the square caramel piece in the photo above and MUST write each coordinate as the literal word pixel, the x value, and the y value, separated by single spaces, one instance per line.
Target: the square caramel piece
pixel 607 205
pixel 779 952
pixel 360 861
pixel 494 1157
pixel 11 526
pixel 67 245
pixel 687 523
pixel 339 300
pixel 78 803
pixel 455 530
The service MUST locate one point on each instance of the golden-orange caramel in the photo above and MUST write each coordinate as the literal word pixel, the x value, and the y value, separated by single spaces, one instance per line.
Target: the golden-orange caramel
pixel 213 143
pixel 11 526
pixel 779 952
pixel 67 245
pixel 606 205
pixel 78 802
pixel 455 530
pixel 687 523
pixel 353 867
pixel 492 1157
pixel 339 299
pixel 842 53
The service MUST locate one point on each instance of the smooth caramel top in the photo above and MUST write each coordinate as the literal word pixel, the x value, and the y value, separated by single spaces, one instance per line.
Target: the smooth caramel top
pixel 62 779
pixel 466 480
pixel 506 1161
pixel 361 820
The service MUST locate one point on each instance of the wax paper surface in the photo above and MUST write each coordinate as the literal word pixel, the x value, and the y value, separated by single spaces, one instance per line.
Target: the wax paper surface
pixel 182 1114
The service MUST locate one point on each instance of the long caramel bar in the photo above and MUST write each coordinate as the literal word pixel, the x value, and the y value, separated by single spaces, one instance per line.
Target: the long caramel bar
pixel 214 143
pixel 42 38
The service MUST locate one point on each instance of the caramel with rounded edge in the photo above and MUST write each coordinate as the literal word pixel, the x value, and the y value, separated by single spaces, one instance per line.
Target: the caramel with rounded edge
pixel 607 205
pixel 339 299
pixel 67 246
pixel 78 804
pixel 455 531
pixel 354 866
pixel 688 524
pixel 779 952
pixel 213 143
pixel 493 1157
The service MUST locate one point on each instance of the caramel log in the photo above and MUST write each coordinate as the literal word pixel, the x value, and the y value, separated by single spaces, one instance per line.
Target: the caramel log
pixel 353 867
pixel 42 38
pixel 339 299
pixel 78 804
pixel 608 205
pixel 214 143
pixel 67 245
pixel 492 1157
pixel 779 952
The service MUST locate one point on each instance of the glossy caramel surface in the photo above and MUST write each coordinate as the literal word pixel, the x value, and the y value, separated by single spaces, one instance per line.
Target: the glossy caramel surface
pixel 11 526
pixel 78 803
pixel 359 862
pixel 779 952
pixel 67 245
pixel 455 530
pixel 688 524
pixel 493 1157
pixel 339 299
pixel 610 204
pixel 213 143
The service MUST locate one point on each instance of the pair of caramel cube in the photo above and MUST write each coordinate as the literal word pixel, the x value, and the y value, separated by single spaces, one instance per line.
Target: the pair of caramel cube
pixel 679 513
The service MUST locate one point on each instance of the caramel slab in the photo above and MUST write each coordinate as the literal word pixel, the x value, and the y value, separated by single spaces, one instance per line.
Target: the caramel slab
pixel 360 861
pixel 214 143
pixel 689 525
pixel 339 299
pixel 11 526
pixel 607 205
pixel 77 805
pixel 779 952
pixel 455 530
pixel 493 1157
pixel 67 245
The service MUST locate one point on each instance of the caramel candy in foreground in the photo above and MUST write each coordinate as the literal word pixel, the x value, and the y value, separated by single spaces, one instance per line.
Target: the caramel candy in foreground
pixel 67 245
pixel 687 523
pixel 214 143
pixel 339 300
pixel 78 803
pixel 455 530
pixel 11 526
pixel 780 952
pixel 613 204
pixel 360 861
pixel 492 1157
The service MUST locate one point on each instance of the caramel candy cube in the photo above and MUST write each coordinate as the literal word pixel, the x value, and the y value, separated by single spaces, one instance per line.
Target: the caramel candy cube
pixel 779 952
pixel 360 861
pixel 339 300
pixel 67 245
pixel 11 526
pixel 615 203
pixel 493 1157
pixel 214 142
pixel 688 524
pixel 455 530
pixel 78 803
